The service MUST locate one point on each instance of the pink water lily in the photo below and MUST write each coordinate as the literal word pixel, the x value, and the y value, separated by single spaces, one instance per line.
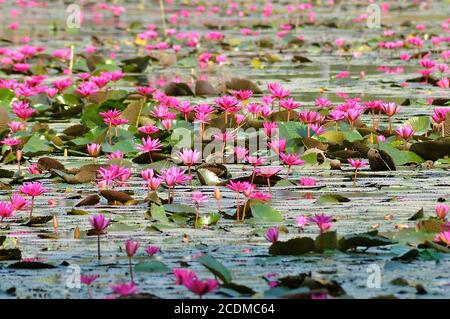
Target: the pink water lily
pixel 272 234
pixel 152 250
pixel 200 287
pixel 32 189
pixel 405 132
pixel 99 223
pixel 131 248
pixel 322 221
pixel 442 211
pixel 124 289
pixel 357 164
pixel 149 145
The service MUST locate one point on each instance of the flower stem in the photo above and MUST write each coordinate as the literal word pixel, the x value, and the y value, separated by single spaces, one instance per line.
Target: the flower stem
pixel 98 247
pixel 131 269
pixel 32 206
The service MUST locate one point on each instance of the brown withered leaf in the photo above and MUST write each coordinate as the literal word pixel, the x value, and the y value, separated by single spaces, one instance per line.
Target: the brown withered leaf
pixel 38 220
pixel 178 89
pixel 76 130
pixel 242 84
pixel 432 150
pixel 313 143
pixel 30 265
pixel 447 125
pixel 4 119
pixel 379 160
pixel 112 195
pixel 48 163
pixel 89 201
pixel 204 88
pixel 133 110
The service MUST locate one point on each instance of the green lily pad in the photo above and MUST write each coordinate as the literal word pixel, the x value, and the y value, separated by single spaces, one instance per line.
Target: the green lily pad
pixel 295 246
pixel 264 213
pixel 151 266
pixel 214 266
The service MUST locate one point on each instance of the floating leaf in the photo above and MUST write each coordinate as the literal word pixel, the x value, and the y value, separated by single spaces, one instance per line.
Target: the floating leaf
pixel 37 144
pixel 151 266
pixel 327 240
pixel 30 265
pixel 401 157
pixel 214 266
pixel 158 213
pixel 207 177
pixel 295 246
pixel 369 239
pixel 417 215
pixel 264 213
pixel 112 196
pixel 331 198
pixel 179 208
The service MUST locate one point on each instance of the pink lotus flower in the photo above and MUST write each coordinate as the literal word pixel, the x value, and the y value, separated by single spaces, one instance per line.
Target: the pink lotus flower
pixel 131 247
pixel 243 95
pixel 270 128
pixel 10 141
pixel 342 75
pixel 152 250
pixel 240 152
pixel 149 145
pixel 405 132
pixel 277 145
pixel 322 102
pixel 124 289
pixel 442 211
pixel 16 126
pixel 443 83
pixel 172 177
pixel 258 196
pixel 182 275
pixel 200 287
pixel 147 174
pixel 86 88
pixel 148 129
pixel 228 103
pixel 88 279
pixel 306 181
pixel 110 114
pixel 238 186
pixel 268 171
pixel 32 189
pixel 322 221
pixel 357 164
pixel 99 223
pixel 390 109
pixel 289 104
pixel 189 157
pixel 115 155
pixel 272 234
pixel 198 198
pixel 94 149
pixel 18 202
pixel 291 160
pixel 277 91
pixel 6 210
pixel 443 237
pixel 301 221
